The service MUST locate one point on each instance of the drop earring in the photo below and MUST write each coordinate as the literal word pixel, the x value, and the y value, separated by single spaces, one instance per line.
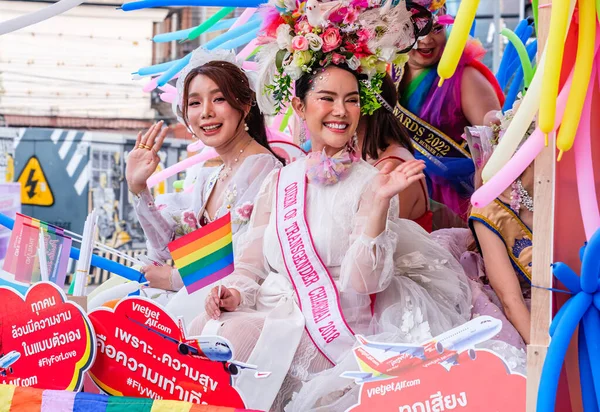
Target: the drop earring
pixel 302 136
pixel 246 128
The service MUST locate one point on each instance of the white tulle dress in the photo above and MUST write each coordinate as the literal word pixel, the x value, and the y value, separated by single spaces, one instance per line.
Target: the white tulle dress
pixel 420 289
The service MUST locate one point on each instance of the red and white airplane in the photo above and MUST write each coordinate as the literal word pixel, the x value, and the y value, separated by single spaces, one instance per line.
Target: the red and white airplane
pixel 213 348
pixel 446 349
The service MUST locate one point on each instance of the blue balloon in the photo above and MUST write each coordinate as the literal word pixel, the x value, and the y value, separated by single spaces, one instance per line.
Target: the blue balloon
pixel 590 266
pixel 513 91
pixel 591 325
pixel 558 317
pixel 508 56
pixel 546 399
pixel 146 4
pixel 97 261
pixel 240 41
pixel 590 402
pixel 567 276
pixel 183 34
pixel 232 34
pixel 156 69
pixel 173 70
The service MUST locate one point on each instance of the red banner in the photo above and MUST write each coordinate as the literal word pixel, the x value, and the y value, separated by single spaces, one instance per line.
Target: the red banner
pixel 480 384
pixel 45 341
pixel 142 353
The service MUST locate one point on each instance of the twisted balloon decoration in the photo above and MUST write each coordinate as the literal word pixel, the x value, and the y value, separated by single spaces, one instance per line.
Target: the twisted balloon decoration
pixel 580 310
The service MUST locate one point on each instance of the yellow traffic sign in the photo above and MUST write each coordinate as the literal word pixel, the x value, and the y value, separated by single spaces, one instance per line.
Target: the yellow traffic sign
pixel 35 189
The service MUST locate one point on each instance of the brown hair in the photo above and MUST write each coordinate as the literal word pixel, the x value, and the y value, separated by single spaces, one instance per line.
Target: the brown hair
pixel 383 127
pixel 234 85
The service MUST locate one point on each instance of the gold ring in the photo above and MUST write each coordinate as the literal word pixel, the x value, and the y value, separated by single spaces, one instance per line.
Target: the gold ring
pixel 143 146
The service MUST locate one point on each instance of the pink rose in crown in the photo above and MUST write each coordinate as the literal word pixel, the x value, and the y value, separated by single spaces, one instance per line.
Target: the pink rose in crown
pixel 331 39
pixel 299 43
pixel 189 219
pixel 245 211
pixel 337 58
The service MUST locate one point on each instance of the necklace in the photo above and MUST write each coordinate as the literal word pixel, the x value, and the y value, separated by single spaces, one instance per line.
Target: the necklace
pixel 521 197
pixel 227 170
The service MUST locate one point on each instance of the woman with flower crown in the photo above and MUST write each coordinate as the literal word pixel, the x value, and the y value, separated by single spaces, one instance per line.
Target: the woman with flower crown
pixel 217 103
pixel 325 234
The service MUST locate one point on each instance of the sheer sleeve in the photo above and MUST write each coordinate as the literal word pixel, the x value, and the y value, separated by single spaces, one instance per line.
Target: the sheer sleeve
pixel 250 264
pixel 158 228
pixel 161 219
pixel 368 266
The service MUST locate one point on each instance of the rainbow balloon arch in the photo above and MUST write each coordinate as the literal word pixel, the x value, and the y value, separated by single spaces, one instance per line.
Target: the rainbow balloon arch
pixel 567 109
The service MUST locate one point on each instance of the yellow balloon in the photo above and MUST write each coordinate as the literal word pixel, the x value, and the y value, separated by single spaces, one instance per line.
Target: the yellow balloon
pixel 555 49
pixel 523 118
pixel 581 77
pixel 458 39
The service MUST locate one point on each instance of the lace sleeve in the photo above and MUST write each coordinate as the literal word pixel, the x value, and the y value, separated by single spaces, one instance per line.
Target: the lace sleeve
pixel 250 263
pixel 368 266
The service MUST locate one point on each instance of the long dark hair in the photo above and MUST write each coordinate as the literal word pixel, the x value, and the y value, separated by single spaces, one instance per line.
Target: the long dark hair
pixel 234 85
pixel 383 127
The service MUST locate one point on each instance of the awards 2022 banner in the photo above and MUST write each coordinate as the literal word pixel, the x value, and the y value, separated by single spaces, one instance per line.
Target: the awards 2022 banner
pixel 46 341
pixel 143 352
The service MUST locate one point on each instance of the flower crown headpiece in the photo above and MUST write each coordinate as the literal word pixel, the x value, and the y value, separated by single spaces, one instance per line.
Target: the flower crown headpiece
pixel 200 57
pixel 300 37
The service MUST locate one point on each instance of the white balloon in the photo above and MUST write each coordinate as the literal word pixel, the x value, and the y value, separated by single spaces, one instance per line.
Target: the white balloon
pixel 38 16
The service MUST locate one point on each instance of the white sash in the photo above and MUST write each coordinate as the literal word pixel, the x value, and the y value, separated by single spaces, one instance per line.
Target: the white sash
pixel 316 290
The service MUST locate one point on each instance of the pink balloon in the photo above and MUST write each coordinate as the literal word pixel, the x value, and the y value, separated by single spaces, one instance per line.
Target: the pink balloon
pixel 243 55
pixel 151 85
pixel 194 147
pixel 168 97
pixel 168 89
pixel 250 66
pixel 584 167
pixel 206 154
pixel 522 158
pixel 244 17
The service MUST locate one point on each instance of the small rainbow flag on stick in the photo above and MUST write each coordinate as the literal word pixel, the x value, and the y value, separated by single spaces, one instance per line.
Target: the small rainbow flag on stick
pixel 205 255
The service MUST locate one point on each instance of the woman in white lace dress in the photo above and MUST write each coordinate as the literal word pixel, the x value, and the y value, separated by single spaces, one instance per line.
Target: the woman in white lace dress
pixel 217 104
pixel 385 273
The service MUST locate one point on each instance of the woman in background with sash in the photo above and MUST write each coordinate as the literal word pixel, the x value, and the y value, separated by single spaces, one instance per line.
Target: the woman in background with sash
pixel 216 102
pixel 436 116
pixel 503 231
pixel 325 232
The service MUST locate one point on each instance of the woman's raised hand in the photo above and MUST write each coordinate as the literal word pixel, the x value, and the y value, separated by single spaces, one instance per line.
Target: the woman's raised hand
pixel 143 159
pixel 390 181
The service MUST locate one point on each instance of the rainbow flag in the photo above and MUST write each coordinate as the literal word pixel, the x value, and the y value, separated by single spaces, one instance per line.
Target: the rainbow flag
pixel 16 398
pixel 205 255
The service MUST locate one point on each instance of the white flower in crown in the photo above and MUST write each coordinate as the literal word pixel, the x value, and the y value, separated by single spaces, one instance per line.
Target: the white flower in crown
pixel 293 70
pixel 353 63
pixel 315 43
pixel 284 38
